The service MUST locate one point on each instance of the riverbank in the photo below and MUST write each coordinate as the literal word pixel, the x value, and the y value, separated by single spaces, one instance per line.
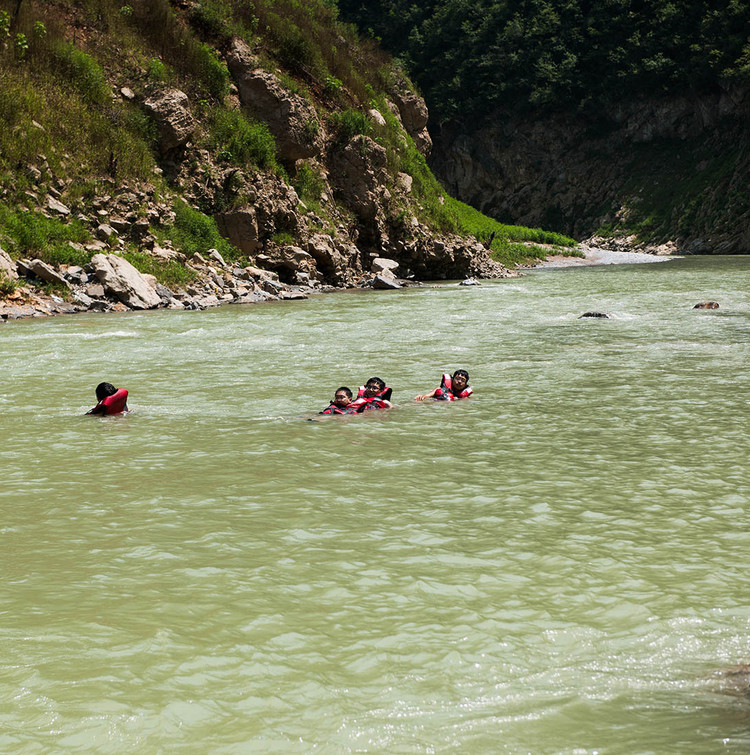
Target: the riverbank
pixel 111 284
pixel 598 256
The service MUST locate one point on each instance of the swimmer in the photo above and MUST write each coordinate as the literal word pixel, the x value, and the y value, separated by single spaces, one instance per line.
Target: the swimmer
pixel 110 400
pixel 452 388
pixel 374 394
pixel 341 401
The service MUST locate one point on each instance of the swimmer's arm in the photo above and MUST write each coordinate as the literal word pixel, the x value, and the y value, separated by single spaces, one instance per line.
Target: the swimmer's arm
pixel 425 396
pixel 98 409
pixel 388 404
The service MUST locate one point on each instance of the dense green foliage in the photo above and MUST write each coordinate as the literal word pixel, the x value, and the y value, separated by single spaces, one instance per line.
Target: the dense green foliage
pixel 509 244
pixel 193 231
pixel 474 55
pixel 29 234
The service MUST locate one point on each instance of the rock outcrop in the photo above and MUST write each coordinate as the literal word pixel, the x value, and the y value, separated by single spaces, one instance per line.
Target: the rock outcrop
pixel 7 266
pixel 359 176
pixel 575 173
pixel 171 113
pixel 413 113
pixel 291 119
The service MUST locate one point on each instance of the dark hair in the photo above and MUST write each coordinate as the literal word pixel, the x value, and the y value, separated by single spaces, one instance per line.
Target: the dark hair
pixel 346 390
pixel 462 372
pixel 103 390
pixel 381 383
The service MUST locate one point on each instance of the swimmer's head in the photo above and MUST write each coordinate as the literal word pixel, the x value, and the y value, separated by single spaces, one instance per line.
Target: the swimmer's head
pixel 343 396
pixel 103 390
pixel 374 386
pixel 460 379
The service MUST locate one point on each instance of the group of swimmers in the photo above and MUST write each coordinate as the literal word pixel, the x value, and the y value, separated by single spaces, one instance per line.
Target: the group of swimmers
pixel 374 394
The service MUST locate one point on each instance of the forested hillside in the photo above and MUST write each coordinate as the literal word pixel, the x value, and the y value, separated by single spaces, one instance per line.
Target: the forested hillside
pixel 613 77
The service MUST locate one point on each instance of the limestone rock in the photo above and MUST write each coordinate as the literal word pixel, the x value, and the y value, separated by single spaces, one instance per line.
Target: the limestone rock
pixel 240 227
pixel 359 176
pixel 414 115
pixel 337 261
pixel 289 261
pixel 55 205
pixel 7 266
pixel 291 119
pixel 122 280
pixel 169 109
pixel 46 273
pixel 384 282
pixel 382 265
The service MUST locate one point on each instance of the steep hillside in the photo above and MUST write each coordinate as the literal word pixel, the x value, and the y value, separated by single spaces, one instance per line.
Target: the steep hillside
pixel 230 150
pixel 622 119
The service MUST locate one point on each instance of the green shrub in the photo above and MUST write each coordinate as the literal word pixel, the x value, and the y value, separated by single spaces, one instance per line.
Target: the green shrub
pixel 7 286
pixel 211 71
pixel 242 141
pixel 82 71
pixel 156 70
pixel 309 184
pixel 195 232
pixel 170 273
pixel 350 123
pixel 4 24
pixel 32 234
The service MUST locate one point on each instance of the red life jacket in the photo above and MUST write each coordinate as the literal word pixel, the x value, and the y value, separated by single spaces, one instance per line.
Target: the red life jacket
pixel 363 404
pixel 117 403
pixel 333 409
pixel 445 392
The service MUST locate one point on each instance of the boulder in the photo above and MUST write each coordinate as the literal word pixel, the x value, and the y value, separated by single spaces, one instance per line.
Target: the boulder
pixel 169 109
pixel 382 265
pixel 291 119
pixel 120 279
pixel 56 206
pixel 338 259
pixel 385 282
pixel 46 273
pixel 707 305
pixel 7 266
pixel 289 261
pixel 240 228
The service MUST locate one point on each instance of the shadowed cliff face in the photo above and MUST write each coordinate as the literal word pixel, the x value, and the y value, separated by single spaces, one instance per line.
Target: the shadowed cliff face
pixel 672 169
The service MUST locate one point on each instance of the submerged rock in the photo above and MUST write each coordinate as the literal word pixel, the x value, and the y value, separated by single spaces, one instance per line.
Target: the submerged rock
pixel 707 305
pixel 601 315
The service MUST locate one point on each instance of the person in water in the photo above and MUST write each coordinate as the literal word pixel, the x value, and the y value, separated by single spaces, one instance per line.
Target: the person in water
pixel 110 400
pixel 341 401
pixel 452 388
pixel 374 394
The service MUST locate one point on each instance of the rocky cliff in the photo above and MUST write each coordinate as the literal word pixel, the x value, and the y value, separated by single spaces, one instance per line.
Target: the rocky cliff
pixel 645 173
pixel 363 223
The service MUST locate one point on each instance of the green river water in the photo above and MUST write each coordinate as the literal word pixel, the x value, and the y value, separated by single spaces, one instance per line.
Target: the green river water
pixel 558 565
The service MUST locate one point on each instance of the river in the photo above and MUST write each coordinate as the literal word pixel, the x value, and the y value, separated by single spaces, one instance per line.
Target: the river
pixel 558 565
